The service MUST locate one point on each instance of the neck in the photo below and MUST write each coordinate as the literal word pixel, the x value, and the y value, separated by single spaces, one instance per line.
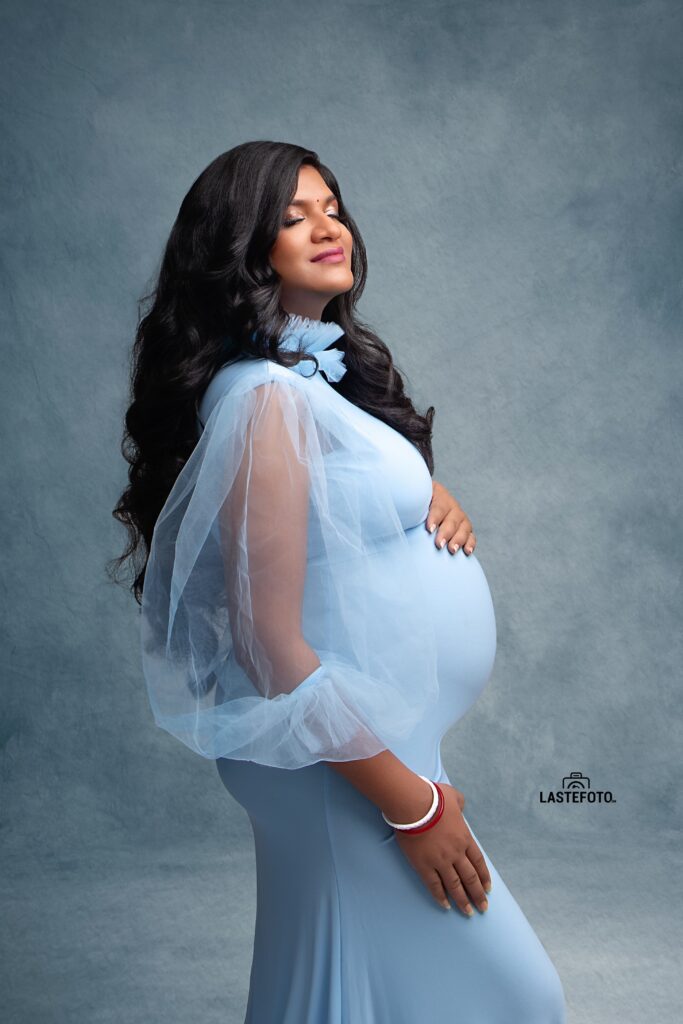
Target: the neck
pixel 307 308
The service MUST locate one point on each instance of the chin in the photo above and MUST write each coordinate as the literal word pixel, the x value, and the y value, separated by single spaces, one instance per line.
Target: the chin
pixel 341 282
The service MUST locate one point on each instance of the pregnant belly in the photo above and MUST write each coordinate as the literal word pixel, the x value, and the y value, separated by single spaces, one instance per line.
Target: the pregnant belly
pixel 461 609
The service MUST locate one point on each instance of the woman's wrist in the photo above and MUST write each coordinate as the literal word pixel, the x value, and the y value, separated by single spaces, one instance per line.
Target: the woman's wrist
pixel 411 803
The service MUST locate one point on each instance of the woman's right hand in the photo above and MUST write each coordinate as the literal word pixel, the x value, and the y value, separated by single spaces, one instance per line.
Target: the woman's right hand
pixel 447 858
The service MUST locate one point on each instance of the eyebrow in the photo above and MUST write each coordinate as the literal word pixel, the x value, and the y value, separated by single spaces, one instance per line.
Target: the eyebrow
pixel 305 202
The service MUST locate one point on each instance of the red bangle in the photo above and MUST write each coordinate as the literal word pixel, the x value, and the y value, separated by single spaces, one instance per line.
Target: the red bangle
pixel 432 821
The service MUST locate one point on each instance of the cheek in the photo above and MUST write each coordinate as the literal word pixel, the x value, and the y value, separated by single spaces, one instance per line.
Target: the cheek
pixel 282 254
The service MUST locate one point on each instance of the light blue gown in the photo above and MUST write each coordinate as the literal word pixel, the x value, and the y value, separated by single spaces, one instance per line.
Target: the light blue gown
pixel 297 611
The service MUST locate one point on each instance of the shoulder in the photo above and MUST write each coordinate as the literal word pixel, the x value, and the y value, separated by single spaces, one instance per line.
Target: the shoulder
pixel 241 376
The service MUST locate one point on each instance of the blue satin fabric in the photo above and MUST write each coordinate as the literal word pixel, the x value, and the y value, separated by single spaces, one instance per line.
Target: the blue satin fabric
pixel 346 931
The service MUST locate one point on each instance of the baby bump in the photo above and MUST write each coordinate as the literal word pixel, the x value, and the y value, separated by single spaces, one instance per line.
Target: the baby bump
pixel 461 609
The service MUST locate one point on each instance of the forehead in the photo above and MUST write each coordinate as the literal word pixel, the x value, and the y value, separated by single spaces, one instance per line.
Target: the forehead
pixel 311 186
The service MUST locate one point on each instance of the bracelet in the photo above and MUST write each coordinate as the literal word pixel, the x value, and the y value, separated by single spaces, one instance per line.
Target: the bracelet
pixel 430 824
pixel 427 817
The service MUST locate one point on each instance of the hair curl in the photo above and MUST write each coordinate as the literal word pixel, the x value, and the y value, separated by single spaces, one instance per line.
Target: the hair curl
pixel 217 298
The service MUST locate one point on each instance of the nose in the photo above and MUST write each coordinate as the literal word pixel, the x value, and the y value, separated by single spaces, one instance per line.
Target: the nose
pixel 326 227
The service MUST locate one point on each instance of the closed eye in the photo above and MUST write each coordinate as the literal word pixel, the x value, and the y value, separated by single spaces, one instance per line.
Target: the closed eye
pixel 296 220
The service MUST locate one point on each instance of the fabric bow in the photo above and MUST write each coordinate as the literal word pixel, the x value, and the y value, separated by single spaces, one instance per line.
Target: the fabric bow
pixel 307 335
pixel 331 363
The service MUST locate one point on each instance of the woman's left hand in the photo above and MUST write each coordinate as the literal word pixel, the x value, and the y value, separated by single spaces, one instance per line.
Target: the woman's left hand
pixel 454 527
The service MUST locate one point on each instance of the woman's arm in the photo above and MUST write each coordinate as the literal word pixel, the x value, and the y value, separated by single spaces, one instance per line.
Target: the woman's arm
pixel 389 784
pixel 284 619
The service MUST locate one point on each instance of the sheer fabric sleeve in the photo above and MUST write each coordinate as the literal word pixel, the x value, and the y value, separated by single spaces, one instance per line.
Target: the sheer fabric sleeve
pixel 282 615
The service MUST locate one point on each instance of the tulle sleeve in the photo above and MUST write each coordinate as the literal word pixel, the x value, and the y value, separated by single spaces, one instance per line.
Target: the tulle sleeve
pixel 282 616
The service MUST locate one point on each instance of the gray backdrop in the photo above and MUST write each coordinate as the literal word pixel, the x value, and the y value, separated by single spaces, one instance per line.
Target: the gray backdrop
pixel 515 169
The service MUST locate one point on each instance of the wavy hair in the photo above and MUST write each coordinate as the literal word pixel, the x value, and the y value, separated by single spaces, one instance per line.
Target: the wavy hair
pixel 216 298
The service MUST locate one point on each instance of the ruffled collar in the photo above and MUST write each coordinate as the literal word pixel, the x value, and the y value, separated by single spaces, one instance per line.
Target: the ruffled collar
pixel 303 334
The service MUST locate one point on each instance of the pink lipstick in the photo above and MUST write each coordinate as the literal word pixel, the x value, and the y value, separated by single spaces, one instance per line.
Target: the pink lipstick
pixel 329 256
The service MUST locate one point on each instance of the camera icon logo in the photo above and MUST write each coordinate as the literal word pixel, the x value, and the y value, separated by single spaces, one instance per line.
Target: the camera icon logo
pixel 576 789
pixel 576 780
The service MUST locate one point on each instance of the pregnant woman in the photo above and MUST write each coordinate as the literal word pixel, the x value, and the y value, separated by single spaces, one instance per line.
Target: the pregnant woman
pixel 302 626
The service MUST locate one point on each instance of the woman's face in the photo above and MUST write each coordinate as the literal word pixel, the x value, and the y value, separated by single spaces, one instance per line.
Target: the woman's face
pixel 310 228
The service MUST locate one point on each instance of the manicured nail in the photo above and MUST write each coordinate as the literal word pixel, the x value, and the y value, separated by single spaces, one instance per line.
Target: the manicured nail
pixel 441 542
pixel 488 887
pixel 468 910
pixel 432 527
pixel 454 548
pixel 484 906
pixel 446 906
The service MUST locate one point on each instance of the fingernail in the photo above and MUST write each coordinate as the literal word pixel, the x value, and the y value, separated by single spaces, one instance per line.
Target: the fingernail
pixel 454 548
pixel 488 887
pixel 442 542
pixel 446 906
pixel 484 905
pixel 468 551
pixel 468 910
pixel 432 528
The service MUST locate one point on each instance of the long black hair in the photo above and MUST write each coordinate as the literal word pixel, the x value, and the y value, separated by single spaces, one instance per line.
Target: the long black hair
pixel 217 298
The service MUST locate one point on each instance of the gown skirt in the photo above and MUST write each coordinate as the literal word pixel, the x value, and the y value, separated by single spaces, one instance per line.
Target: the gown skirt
pixel 346 931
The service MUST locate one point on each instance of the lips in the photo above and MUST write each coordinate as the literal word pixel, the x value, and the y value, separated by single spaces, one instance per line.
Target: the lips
pixel 338 251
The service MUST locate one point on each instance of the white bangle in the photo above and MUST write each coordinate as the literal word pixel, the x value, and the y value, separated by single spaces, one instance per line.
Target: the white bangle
pixel 430 813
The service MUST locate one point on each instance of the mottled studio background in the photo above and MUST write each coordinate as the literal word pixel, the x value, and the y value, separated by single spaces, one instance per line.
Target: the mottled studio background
pixel 515 168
